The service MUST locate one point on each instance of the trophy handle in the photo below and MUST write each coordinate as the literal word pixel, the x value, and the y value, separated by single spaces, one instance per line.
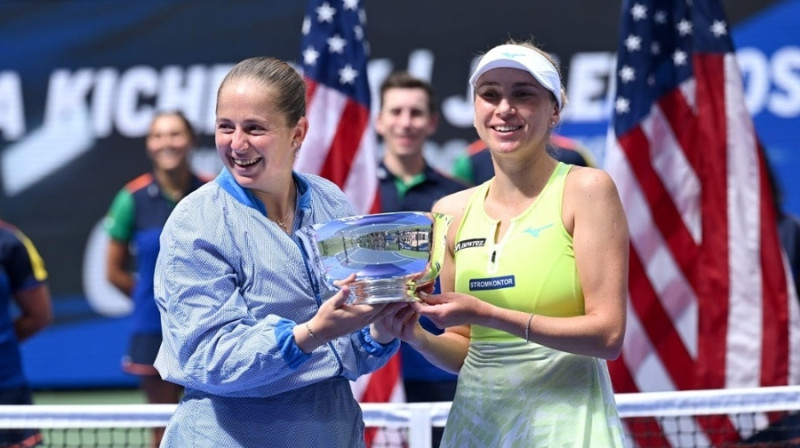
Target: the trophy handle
pixel 441 224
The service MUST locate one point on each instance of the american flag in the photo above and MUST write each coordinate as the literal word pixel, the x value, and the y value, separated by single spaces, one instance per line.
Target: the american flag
pixel 711 302
pixel 341 143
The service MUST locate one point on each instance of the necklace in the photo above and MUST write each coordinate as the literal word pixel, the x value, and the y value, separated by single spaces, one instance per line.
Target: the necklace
pixel 284 225
pixel 281 224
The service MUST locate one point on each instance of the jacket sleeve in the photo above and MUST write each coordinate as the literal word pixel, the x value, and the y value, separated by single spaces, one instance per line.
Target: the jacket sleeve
pixel 211 341
pixel 369 355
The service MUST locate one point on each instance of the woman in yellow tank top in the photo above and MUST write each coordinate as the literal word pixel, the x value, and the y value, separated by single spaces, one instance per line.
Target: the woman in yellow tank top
pixel 535 276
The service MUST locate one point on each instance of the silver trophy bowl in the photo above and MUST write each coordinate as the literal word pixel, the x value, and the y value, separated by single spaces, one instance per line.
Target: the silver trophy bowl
pixel 391 254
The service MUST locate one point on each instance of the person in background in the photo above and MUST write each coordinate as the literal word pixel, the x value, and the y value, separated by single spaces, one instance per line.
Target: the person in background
pixel 475 166
pixel 534 279
pixel 406 119
pixel 134 224
pixel 23 282
pixel 264 350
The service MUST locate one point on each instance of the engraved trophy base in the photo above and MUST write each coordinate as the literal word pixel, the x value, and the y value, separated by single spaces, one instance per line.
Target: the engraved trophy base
pixel 382 291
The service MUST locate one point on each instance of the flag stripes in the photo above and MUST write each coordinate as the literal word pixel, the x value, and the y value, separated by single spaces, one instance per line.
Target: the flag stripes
pixel 341 144
pixel 711 301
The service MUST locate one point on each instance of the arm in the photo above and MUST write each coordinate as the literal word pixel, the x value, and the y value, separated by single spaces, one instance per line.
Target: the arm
pixel 119 224
pixel 213 340
pixel 593 214
pixel 27 278
pixel 117 260
pixel 234 309
pixel 337 318
pixel 36 311
pixel 337 321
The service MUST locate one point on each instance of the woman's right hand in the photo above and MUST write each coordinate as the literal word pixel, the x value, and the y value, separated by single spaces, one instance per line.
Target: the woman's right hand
pixel 336 317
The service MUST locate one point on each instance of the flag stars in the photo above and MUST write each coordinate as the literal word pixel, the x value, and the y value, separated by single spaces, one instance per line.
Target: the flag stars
pixel 306 25
pixel 627 74
pixel 679 57
pixel 336 44
pixel 310 56
pixel 633 43
pixel 655 48
pixel 350 4
pixel 347 75
pixel 718 28
pixel 362 16
pixel 684 27
pixel 621 105
pixel 660 17
pixel 359 32
pixel 639 12
pixel 325 13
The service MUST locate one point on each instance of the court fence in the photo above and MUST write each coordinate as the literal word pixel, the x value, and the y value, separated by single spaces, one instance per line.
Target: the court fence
pixel 757 417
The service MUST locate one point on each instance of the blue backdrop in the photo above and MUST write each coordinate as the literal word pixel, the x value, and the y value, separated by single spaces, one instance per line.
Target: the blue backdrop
pixel 80 79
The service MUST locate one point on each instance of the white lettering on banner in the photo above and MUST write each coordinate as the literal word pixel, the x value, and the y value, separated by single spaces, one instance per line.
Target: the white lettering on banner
pixel 66 95
pixel 755 72
pixel 89 103
pixel 136 84
pixel 101 101
pixel 102 105
pixel 785 102
pixel 590 86
pixel 183 90
pixel 214 79
pixel 126 101
pixel 12 115
pixel 420 64
pixel 457 110
pixel 377 71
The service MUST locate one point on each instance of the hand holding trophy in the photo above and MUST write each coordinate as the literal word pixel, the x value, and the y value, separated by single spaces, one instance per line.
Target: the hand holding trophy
pixel 391 254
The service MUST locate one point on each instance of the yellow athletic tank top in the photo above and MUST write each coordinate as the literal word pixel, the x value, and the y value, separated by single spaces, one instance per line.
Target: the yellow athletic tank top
pixel 531 269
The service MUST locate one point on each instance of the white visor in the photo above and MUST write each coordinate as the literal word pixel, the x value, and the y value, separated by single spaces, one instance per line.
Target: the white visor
pixel 522 58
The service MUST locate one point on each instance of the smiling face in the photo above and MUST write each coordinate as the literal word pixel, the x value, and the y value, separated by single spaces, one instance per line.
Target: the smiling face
pixel 513 111
pixel 254 139
pixel 405 121
pixel 169 142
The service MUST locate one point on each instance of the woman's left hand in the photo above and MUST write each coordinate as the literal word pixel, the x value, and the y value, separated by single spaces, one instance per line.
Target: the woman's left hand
pixel 401 322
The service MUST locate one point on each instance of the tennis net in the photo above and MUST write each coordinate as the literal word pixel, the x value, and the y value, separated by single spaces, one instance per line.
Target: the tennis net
pixel 760 417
